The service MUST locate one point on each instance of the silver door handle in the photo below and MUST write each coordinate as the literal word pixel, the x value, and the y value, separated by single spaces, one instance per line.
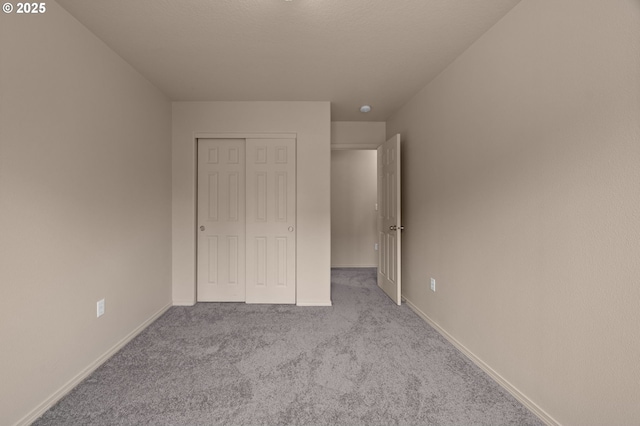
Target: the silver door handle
pixel 395 228
pixel 202 228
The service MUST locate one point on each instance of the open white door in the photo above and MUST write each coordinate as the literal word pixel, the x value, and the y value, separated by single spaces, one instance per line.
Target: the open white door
pixel 389 225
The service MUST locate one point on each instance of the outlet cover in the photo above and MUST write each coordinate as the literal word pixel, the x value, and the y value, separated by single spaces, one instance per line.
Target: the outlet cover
pixel 100 308
pixel 433 284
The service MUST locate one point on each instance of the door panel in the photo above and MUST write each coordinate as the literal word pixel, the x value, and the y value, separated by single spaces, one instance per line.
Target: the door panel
pixel 389 224
pixel 270 214
pixel 221 224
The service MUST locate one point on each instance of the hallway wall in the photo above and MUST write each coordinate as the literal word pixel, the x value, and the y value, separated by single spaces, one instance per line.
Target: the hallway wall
pixel 353 214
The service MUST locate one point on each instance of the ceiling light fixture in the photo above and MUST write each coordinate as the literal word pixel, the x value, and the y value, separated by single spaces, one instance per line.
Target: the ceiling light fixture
pixel 365 108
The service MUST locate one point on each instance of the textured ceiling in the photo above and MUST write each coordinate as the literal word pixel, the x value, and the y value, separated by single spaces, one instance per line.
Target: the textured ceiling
pixel 349 52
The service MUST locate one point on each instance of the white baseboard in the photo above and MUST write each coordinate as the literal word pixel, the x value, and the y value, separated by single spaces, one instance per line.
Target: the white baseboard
pixel 67 387
pixel 184 302
pixel 522 398
pixel 314 303
pixel 192 303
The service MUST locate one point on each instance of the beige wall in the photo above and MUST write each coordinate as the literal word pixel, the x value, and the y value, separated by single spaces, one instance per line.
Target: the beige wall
pixel 85 207
pixel 356 134
pixel 311 122
pixel 521 197
pixel 353 214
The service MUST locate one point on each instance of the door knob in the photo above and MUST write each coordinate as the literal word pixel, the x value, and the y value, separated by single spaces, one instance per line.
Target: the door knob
pixel 393 228
pixel 202 228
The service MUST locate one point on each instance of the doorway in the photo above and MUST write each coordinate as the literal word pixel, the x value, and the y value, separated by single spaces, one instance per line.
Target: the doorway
pixel 354 239
pixel 355 180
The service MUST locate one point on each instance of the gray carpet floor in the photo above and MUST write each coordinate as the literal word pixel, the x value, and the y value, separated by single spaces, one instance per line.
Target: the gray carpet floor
pixel 363 361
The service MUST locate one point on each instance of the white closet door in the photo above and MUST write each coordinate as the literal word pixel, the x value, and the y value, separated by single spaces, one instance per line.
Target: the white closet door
pixel 221 220
pixel 271 220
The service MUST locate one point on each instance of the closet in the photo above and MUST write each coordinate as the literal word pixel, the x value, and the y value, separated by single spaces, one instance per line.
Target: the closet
pixel 246 220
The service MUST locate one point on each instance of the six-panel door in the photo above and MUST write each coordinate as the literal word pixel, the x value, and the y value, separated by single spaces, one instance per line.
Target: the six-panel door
pixel 221 220
pixel 246 220
pixel 271 221
pixel 389 223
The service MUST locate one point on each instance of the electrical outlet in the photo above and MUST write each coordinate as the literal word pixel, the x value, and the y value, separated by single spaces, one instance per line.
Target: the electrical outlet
pixel 433 284
pixel 100 308
pixel 375 246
